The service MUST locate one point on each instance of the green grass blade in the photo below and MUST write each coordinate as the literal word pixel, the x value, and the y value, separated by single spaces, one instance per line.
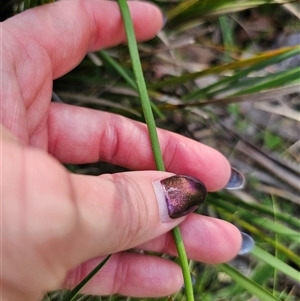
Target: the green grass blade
pixel 26 4
pixel 124 73
pixel 188 10
pixel 227 34
pixel 251 85
pixel 256 219
pixel 145 102
pixel 241 64
pixel 34 3
pixel 75 291
pixel 252 97
pixel 228 82
pixel 257 209
pixel 282 78
pixel 270 225
pixel 183 263
pixel 141 85
pixel 276 263
pixel 247 283
pixel 256 230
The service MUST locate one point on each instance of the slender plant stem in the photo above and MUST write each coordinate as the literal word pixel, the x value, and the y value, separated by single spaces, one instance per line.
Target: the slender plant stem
pixel 148 115
pixel 141 85
pixel 184 264
pixel 105 57
pixel 74 292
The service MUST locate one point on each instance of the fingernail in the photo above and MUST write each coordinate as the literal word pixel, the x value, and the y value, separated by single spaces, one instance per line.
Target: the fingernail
pixel 177 196
pixel 193 278
pixel 236 181
pixel 165 20
pixel 247 244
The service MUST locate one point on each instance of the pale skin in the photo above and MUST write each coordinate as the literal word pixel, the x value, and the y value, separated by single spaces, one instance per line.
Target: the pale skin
pixel 57 226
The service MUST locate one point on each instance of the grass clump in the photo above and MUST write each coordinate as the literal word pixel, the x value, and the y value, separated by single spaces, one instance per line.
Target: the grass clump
pixel 225 73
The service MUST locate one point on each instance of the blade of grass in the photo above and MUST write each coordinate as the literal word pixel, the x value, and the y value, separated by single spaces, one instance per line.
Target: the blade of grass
pixel 259 274
pixel 34 3
pixel 238 213
pixel 98 101
pixel 231 66
pixel 75 291
pixel 145 102
pixel 257 209
pixel 247 283
pixel 123 72
pixel 194 9
pixel 250 85
pixel 26 4
pixel 227 34
pixel 257 231
pixel 275 262
pixel 256 219
pixel 140 84
pixel 263 95
pixel 287 77
pixel 240 74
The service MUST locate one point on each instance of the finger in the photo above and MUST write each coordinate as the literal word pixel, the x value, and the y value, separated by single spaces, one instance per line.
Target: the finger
pixel 67 29
pixel 80 135
pixel 61 220
pixel 119 211
pixel 206 239
pixel 129 274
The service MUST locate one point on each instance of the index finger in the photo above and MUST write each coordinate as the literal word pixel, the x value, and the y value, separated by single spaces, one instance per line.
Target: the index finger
pixel 68 29
pixel 79 135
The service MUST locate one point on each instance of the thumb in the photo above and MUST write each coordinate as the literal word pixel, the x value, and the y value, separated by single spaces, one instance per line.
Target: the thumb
pixel 120 211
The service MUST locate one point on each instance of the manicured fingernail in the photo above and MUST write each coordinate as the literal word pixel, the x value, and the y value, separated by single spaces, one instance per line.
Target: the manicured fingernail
pixel 193 278
pixel 247 244
pixel 165 20
pixel 236 181
pixel 177 196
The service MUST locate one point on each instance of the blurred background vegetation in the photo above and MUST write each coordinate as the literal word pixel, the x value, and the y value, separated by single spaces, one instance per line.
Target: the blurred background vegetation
pixel 226 73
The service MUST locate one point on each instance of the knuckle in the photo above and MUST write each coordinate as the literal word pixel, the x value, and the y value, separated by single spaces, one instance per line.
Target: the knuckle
pixel 133 214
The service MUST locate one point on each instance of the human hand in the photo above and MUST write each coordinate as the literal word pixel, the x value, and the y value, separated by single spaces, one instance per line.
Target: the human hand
pixel 57 226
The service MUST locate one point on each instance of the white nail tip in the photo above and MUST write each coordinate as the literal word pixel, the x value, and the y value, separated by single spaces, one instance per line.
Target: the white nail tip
pixel 247 244
pixel 161 201
pixel 236 181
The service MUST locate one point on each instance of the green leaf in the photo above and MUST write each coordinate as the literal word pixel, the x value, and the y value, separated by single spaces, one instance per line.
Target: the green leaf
pixel 247 283
pixel 75 291
pixel 188 10
pixel 276 263
pixel 234 81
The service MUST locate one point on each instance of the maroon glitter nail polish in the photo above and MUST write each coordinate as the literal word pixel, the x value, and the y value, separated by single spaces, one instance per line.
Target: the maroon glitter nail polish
pixel 183 194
